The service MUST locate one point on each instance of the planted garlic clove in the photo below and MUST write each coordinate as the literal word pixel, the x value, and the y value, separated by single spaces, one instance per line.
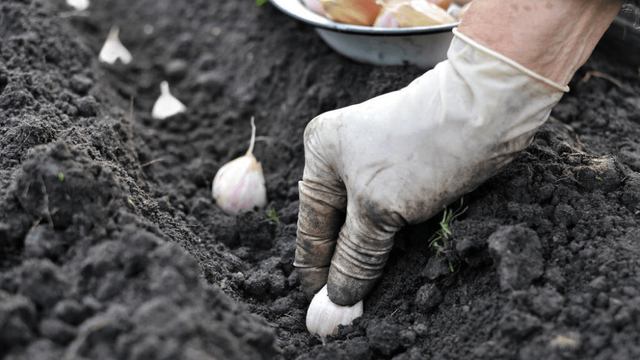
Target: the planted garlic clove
pixel 357 12
pixel 323 316
pixel 79 5
pixel 239 184
pixel 113 49
pixel 408 13
pixel 166 105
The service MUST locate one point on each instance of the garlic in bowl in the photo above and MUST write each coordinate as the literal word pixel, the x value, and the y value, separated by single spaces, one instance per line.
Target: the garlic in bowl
pixel 421 46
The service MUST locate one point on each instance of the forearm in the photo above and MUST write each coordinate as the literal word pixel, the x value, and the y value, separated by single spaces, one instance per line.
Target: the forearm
pixel 552 37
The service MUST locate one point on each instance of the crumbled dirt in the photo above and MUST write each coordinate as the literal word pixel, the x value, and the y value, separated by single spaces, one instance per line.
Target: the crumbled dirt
pixel 112 248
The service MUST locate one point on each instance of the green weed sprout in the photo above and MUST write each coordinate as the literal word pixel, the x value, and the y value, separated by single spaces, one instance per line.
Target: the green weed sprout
pixel 439 240
pixel 261 2
pixel 272 214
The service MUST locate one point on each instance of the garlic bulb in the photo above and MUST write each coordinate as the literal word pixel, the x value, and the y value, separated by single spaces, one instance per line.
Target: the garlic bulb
pixel 79 5
pixel 166 105
pixel 323 316
pixel 239 184
pixel 408 13
pixel 113 49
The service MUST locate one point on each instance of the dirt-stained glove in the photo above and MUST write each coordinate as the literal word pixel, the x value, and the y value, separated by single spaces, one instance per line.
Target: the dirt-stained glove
pixel 401 157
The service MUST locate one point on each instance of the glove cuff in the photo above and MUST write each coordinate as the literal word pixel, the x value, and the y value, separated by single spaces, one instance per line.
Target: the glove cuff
pixel 508 61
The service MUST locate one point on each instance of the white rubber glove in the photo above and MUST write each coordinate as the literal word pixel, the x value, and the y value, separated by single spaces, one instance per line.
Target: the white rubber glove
pixel 401 157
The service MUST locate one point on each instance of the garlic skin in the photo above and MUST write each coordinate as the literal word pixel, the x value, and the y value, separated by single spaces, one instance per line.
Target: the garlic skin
pixel 408 13
pixel 323 316
pixel 357 12
pixel 444 4
pixel 113 49
pixel 79 5
pixel 454 10
pixel 239 184
pixel 315 6
pixel 166 105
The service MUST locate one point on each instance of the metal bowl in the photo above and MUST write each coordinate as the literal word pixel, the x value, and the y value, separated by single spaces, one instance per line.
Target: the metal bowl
pixel 422 46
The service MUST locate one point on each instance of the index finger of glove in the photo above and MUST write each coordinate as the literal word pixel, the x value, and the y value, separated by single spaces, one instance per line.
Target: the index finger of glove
pixel 322 205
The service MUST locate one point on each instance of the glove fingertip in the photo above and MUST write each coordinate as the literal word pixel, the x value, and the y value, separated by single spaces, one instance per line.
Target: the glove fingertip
pixel 346 291
pixel 312 280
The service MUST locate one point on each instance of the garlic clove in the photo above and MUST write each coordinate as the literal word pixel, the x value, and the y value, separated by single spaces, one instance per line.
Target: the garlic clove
pixel 113 49
pixel 386 20
pixel 408 13
pixel 357 12
pixel 457 9
pixel 315 6
pixel 454 10
pixel 323 316
pixel 443 4
pixel 79 5
pixel 166 105
pixel 239 184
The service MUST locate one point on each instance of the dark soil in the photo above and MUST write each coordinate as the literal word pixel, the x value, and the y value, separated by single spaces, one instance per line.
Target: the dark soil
pixel 112 248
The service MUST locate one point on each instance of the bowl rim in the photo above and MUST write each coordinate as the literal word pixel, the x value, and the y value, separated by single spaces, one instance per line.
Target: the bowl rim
pixel 299 11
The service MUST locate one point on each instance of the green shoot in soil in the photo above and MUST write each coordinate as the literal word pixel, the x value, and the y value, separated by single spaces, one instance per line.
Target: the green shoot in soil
pixel 439 240
pixel 261 2
pixel 274 216
pixel 60 177
pixel 131 203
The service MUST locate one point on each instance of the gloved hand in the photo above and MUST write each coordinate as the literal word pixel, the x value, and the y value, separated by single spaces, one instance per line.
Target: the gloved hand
pixel 401 157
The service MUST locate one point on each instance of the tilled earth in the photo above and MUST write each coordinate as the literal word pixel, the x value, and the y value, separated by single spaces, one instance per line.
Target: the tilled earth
pixel 112 248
